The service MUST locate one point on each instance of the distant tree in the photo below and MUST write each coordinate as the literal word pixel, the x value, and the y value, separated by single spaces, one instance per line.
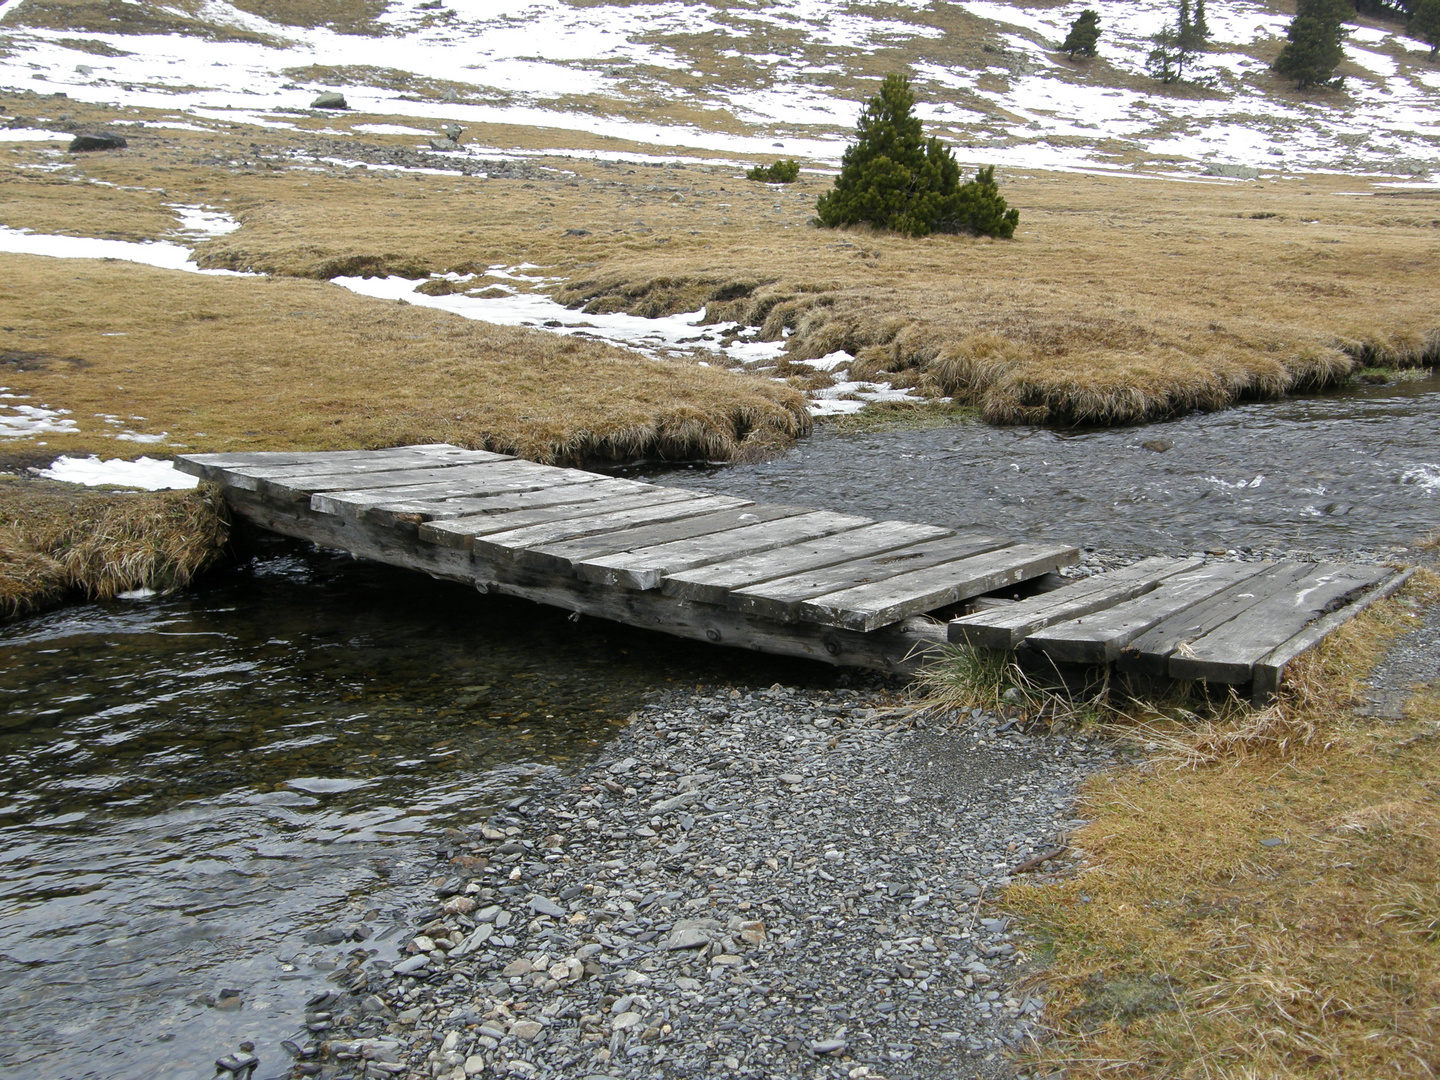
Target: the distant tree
pixel 777 172
pixel 1198 25
pixel 1191 30
pixel 1166 61
pixel 1425 25
pixel 894 178
pixel 1314 47
pixel 1084 34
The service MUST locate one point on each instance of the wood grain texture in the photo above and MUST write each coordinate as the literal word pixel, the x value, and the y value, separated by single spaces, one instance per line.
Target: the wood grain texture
pixel 880 603
pixel 647 567
pixel 1006 627
pixel 1270 669
pixel 462 531
pixel 508 543
pixel 712 583
pixel 1228 653
pixel 780 598
pixel 1099 637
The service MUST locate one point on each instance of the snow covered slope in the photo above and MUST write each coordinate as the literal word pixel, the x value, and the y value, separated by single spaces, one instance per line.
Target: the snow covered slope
pixel 750 78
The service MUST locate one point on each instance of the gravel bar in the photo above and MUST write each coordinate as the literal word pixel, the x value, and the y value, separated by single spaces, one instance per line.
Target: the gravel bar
pixel 774 883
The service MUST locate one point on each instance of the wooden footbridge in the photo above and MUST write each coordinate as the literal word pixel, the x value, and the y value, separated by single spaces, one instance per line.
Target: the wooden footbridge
pixel 786 579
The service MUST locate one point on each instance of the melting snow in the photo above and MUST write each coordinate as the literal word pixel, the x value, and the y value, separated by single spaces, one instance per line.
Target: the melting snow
pixel 527 61
pixel 143 472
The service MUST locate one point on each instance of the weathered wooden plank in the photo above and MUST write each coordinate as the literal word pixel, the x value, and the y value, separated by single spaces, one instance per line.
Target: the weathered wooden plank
pixel 901 649
pixel 246 474
pixel 1099 637
pixel 880 603
pixel 1229 653
pixel 712 583
pixel 1269 669
pixel 566 555
pixel 417 510
pixel 1152 651
pixel 461 532
pixel 1006 628
pixel 506 544
pixel 780 598
pixel 646 568
pixel 260 458
pixel 495 479
pixel 312 483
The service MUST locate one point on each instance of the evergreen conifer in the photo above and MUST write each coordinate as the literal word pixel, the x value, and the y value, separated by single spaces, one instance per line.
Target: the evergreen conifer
pixel 894 178
pixel 1314 49
pixel 1425 25
pixel 1084 34
pixel 1191 31
pixel 1166 61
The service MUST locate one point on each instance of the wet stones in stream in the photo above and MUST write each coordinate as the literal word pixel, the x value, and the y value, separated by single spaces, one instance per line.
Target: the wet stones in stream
pixel 777 883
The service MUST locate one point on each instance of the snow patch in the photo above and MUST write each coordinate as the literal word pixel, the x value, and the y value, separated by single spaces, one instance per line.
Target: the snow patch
pixel 144 472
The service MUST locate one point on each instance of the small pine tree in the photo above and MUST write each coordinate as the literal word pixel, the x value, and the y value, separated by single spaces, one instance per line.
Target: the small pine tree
pixel 894 178
pixel 1313 50
pixel 1084 34
pixel 1198 25
pixel 1166 61
pixel 777 172
pixel 1425 25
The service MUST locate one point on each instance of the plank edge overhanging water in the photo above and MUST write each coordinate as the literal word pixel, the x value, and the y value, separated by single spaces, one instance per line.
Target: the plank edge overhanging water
pixel 786 580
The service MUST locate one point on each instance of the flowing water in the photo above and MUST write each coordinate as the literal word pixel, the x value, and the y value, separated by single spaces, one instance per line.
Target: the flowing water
pixel 1352 471
pixel 194 789
pixel 191 786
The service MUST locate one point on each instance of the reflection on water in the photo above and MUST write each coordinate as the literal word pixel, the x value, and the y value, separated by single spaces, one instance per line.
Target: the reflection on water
pixel 1352 471
pixel 189 786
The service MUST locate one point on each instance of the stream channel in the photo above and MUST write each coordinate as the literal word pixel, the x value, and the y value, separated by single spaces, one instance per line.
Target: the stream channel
pixel 196 789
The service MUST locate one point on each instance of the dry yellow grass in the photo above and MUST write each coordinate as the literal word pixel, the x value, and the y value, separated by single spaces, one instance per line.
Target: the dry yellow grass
pixel 225 363
pixel 58 541
pixel 1262 897
pixel 1120 298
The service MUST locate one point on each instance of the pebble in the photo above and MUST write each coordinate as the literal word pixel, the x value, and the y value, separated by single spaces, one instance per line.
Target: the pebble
pixel 733 888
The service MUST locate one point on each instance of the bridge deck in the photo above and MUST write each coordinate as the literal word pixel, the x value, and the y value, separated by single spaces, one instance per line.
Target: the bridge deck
pixel 785 579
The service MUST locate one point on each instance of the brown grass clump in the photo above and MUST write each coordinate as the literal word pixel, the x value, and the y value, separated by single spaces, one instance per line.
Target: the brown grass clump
pixel 57 541
pixel 1261 897
pixel 217 363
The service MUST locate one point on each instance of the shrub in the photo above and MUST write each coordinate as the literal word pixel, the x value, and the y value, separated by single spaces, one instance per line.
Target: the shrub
pixel 1314 48
pixel 894 178
pixel 1425 24
pixel 777 172
pixel 1083 36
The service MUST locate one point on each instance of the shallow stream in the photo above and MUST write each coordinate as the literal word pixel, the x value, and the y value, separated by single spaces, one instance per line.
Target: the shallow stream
pixel 1354 471
pixel 191 787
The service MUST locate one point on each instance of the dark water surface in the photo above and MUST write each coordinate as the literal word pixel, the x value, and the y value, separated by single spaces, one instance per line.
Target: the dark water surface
pixel 190 785
pixel 1357 470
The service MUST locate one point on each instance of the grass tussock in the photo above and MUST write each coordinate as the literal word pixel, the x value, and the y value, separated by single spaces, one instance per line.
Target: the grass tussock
pixel 213 363
pixel 57 541
pixel 1261 896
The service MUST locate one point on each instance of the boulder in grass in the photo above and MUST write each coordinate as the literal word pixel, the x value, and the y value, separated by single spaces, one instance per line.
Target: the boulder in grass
pixel 97 141
pixel 330 99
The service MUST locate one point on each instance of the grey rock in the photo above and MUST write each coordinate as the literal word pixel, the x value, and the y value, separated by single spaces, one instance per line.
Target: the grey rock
pixel 544 906
pixel 330 99
pixel 97 141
